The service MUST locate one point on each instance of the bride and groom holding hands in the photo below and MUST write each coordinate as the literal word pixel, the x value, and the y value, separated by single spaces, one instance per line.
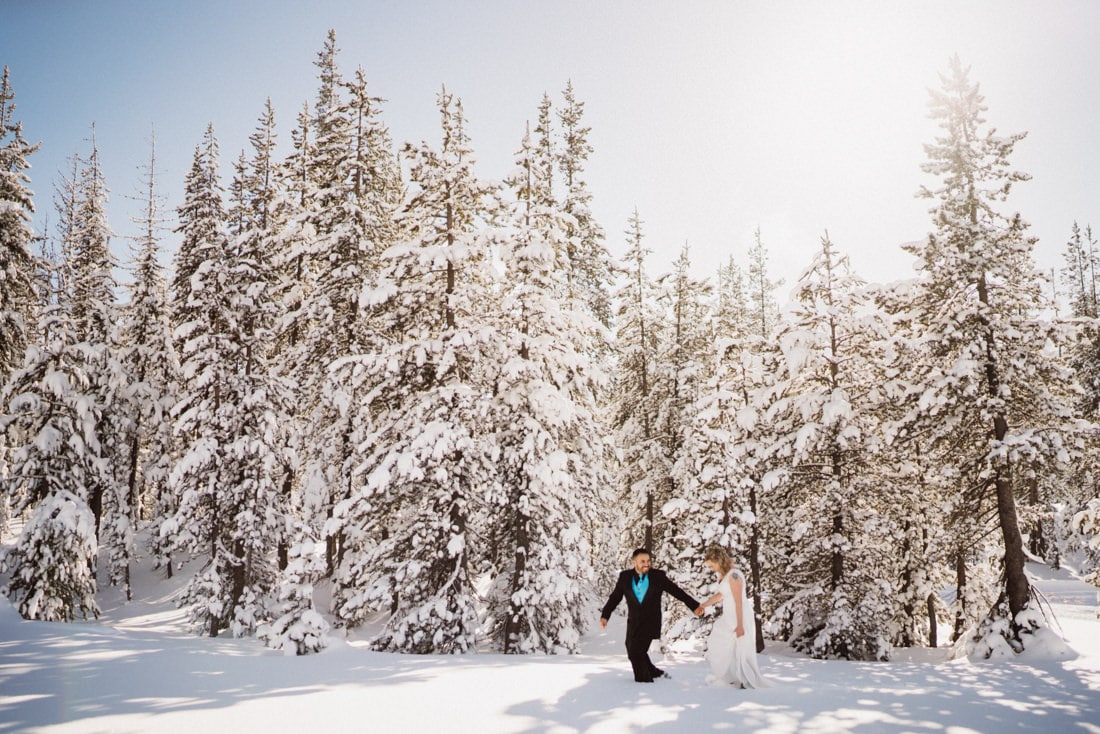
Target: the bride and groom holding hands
pixel 731 649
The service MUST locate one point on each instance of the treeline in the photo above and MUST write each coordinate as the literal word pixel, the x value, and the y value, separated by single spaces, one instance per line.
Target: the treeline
pixel 376 378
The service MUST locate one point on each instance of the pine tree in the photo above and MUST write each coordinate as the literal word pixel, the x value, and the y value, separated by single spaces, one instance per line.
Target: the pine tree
pixel 51 421
pixel 682 360
pixel 757 379
pixel 711 507
pixel 226 481
pixel 589 263
pixel 18 300
pixel 92 266
pixel 640 326
pixel 88 297
pixel 199 481
pixel 764 309
pixel 424 460
pixel 148 353
pixel 148 360
pixel 551 461
pixel 349 207
pixel 1076 487
pixel 833 498
pixel 1082 263
pixel 986 392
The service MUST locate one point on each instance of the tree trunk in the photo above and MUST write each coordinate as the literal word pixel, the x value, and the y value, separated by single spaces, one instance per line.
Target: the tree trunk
pixel 1017 588
pixel 648 544
pixel 960 596
pixel 512 626
pixel 754 566
pixel 933 632
pixel 1037 544
pixel 908 610
pixel 836 574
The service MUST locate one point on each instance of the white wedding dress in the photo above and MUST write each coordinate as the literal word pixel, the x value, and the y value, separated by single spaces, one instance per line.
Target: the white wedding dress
pixel 733 659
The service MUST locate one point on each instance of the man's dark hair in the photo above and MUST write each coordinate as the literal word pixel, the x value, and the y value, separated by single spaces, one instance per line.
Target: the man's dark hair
pixel 639 551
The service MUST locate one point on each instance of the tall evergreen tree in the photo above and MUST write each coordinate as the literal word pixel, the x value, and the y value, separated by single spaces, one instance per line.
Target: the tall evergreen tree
pixel 425 463
pixel 148 360
pixel 88 296
pixel 51 421
pixel 18 300
pixel 682 361
pixel 350 207
pixel 93 285
pixel 551 460
pixel 986 390
pixel 833 499
pixel 639 328
pixel 589 263
pixel 226 482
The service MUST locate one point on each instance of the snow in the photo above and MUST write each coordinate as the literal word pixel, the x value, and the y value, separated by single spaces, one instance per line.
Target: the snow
pixel 138 669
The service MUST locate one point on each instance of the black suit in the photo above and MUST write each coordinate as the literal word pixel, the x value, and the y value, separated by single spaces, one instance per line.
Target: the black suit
pixel 643 620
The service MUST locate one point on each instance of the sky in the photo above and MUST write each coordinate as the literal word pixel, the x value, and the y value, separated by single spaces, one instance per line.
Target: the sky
pixel 711 118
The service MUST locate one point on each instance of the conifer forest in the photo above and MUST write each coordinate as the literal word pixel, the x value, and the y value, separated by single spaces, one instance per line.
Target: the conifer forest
pixel 366 385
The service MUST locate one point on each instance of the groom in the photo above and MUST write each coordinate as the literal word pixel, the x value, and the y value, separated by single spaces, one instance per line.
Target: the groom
pixel 642 587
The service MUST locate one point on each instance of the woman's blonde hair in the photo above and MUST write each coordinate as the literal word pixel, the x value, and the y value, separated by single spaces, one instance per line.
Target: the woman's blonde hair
pixel 719 555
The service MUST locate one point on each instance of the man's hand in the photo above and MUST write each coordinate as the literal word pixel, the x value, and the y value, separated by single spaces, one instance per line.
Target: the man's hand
pixel 603 622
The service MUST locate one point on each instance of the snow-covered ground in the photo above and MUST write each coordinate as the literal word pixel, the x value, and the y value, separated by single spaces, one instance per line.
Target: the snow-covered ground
pixel 137 669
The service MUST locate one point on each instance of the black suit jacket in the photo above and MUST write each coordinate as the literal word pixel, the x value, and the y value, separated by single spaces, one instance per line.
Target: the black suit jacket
pixel 643 621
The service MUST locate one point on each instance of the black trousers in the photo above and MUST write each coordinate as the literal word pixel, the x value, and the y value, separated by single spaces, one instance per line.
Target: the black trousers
pixel 637 649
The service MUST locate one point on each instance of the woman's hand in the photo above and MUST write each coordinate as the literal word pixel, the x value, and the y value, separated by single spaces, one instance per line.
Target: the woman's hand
pixel 740 630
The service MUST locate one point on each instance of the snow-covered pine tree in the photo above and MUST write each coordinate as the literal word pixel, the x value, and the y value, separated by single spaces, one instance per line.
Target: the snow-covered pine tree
pixel 919 490
pixel 292 237
pixel 1080 272
pixel 349 211
pixel 711 507
pixel 263 521
pixel 18 299
pixel 57 250
pixel 149 367
pixel 259 215
pixel 89 297
pixel 296 624
pixel 204 426
pixel 757 376
pixel 838 548
pixel 1077 488
pixel 545 151
pixel 50 420
pixel 227 480
pixel 92 266
pixel 986 391
pixel 681 363
pixel 426 465
pixel 761 289
pixel 202 220
pixel 590 269
pixel 639 328
pixel 552 477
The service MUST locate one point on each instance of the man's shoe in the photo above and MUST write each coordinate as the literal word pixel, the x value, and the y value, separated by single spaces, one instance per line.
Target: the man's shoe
pixel 660 674
pixel 643 680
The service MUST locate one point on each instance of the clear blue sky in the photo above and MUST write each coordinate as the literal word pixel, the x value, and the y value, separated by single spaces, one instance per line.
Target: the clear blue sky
pixel 712 118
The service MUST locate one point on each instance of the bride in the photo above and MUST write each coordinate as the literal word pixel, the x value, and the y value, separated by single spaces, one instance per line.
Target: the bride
pixel 730 650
